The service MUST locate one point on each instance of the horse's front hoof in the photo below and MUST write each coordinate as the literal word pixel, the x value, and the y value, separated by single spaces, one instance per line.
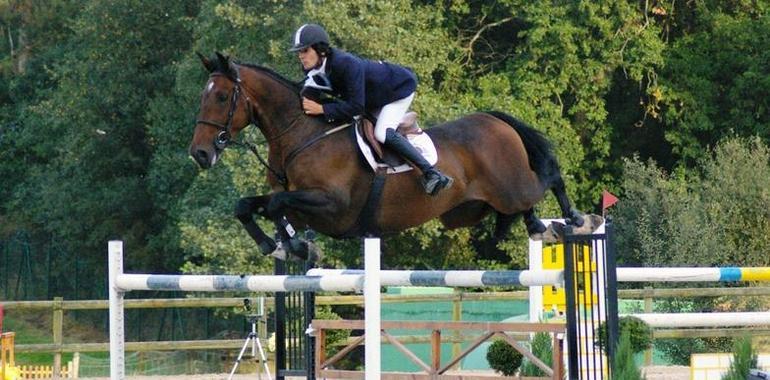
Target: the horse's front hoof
pixel 552 234
pixel 267 247
pixel 298 248
pixel 279 253
pixel 314 253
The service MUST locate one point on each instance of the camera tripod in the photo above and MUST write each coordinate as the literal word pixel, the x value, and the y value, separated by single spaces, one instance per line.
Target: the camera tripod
pixel 255 344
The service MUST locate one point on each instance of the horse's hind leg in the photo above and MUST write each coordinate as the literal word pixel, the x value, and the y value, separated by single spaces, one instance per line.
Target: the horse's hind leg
pixel 503 224
pixel 572 215
pixel 533 223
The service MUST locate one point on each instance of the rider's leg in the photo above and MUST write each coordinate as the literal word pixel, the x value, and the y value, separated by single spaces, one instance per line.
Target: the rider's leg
pixel 385 132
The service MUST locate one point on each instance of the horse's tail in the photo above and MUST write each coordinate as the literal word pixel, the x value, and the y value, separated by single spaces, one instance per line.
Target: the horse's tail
pixel 539 150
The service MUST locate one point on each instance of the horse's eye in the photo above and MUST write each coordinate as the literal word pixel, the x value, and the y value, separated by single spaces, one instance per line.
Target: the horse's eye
pixel 221 97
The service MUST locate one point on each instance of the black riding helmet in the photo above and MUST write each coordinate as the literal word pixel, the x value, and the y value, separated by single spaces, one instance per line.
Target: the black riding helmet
pixel 308 35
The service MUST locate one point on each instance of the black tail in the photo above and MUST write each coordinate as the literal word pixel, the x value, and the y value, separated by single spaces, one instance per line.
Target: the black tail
pixel 541 158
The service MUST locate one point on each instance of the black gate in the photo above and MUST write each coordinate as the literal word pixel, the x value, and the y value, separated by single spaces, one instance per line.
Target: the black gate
pixel 590 282
pixel 293 313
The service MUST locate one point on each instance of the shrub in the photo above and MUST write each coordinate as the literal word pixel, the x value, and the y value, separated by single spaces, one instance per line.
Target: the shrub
pixel 541 348
pixel 624 367
pixel 333 337
pixel 744 359
pixel 639 334
pixel 503 358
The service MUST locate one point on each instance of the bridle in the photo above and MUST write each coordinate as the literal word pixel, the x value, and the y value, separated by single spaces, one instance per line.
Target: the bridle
pixel 224 137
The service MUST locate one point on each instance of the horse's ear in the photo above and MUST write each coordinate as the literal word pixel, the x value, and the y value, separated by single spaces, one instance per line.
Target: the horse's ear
pixel 223 59
pixel 206 63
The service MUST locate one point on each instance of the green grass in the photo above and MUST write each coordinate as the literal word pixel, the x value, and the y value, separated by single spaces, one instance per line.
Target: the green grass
pixel 29 331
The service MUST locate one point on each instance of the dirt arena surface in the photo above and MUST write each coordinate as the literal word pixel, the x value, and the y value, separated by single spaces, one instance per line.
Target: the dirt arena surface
pixel 651 373
pixel 666 372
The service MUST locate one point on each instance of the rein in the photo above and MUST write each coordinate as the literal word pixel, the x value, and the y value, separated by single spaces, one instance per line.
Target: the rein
pixel 294 153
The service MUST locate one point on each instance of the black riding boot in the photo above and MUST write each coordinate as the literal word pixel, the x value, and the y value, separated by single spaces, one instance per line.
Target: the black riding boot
pixel 432 179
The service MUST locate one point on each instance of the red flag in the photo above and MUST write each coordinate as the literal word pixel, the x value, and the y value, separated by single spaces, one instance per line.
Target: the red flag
pixel 608 199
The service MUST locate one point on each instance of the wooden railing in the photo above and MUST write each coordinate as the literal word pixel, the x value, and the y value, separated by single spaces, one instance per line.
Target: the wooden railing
pixel 436 370
pixel 70 371
pixel 58 306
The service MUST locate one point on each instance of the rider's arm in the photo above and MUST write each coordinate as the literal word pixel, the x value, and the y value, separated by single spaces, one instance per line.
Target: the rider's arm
pixel 351 69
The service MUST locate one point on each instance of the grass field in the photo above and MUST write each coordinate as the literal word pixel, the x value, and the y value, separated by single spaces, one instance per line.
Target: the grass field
pixel 32 328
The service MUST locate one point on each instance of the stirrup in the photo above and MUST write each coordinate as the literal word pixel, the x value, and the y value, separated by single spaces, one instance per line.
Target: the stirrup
pixel 434 181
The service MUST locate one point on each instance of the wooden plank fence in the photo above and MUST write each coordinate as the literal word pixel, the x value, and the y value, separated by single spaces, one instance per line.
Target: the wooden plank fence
pixel 59 306
pixel 435 369
pixel 8 363
pixel 70 371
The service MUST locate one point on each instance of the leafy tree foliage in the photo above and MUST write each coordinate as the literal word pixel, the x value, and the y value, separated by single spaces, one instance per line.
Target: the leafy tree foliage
pixel 664 218
pixel 717 80
pixel 706 218
pixel 97 100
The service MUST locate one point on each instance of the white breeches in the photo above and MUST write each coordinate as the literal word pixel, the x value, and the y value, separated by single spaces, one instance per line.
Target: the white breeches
pixel 390 116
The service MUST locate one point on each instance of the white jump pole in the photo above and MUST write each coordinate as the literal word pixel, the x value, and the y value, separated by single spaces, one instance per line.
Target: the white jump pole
pixel 117 351
pixel 715 319
pixel 372 328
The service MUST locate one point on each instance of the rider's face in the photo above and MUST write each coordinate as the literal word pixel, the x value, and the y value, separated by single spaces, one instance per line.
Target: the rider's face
pixel 309 58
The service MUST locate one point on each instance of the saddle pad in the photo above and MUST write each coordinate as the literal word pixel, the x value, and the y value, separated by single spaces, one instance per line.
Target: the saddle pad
pixel 422 142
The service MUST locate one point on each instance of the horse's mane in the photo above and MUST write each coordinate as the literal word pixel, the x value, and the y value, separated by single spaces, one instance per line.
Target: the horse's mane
pixel 221 64
pixel 273 74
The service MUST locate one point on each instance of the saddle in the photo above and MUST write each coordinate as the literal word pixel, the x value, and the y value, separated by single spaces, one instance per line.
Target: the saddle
pixel 408 126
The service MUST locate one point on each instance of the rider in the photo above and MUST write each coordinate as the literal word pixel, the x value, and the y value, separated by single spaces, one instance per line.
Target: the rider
pixel 384 89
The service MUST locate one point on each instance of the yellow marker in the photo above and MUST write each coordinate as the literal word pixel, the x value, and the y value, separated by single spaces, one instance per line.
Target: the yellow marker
pixel 755 274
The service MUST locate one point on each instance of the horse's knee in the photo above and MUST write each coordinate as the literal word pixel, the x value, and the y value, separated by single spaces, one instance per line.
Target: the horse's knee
pixel 244 209
pixel 276 204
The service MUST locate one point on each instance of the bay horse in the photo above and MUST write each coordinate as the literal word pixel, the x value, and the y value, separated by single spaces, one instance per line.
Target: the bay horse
pixel 499 164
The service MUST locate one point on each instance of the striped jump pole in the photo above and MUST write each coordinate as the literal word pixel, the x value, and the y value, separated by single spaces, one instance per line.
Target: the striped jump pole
pixel 693 274
pixel 226 283
pixel 455 278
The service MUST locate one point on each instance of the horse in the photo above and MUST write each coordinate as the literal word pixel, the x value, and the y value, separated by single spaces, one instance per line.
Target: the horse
pixel 499 165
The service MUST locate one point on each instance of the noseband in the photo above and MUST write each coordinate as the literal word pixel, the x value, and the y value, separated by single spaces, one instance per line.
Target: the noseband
pixel 223 138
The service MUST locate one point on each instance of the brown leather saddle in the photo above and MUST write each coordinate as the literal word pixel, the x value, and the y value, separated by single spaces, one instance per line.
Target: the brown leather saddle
pixel 408 126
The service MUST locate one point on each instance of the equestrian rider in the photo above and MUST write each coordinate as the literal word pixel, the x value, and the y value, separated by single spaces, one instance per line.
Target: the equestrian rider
pixel 382 89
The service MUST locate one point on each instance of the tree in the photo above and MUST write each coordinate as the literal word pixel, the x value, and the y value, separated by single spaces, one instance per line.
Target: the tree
pixel 89 131
pixel 716 79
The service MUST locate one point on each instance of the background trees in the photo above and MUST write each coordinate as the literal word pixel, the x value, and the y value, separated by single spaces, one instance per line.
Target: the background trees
pixel 664 103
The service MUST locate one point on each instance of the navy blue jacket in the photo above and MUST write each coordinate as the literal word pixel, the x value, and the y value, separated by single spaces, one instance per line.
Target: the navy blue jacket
pixel 364 85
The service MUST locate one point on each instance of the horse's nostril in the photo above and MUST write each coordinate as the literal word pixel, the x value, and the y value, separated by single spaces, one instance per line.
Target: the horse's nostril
pixel 201 157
